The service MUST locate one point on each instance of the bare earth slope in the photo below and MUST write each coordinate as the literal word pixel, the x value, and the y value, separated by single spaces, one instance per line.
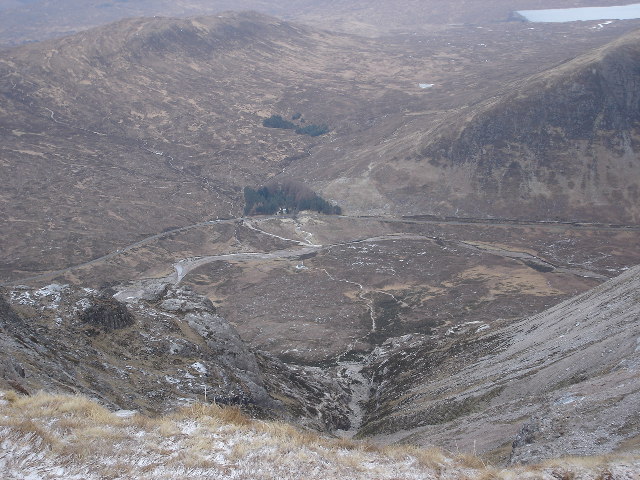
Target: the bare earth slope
pixel 563 382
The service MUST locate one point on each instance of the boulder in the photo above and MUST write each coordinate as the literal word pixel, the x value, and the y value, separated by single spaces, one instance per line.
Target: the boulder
pixel 108 313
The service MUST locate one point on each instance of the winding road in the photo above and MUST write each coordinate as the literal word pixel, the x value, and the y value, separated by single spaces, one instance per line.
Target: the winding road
pixel 304 247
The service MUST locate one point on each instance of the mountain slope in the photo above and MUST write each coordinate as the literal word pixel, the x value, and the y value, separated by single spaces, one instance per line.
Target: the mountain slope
pixel 125 131
pixel 567 139
pixel 563 382
pixel 148 124
pixel 56 436
pixel 561 144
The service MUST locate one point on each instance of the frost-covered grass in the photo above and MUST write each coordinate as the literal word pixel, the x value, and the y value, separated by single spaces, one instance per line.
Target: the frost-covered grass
pixel 54 436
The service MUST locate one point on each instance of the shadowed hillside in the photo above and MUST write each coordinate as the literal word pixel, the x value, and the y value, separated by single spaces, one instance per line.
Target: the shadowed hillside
pixel 564 144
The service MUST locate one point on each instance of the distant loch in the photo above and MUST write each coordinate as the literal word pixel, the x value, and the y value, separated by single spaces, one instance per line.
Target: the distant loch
pixel 558 15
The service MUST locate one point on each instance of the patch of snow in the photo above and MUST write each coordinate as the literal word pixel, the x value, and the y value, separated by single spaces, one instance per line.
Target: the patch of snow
pixel 125 413
pixel 188 428
pixel 567 399
pixel 23 298
pixel 53 289
pixel 83 303
pixel 602 25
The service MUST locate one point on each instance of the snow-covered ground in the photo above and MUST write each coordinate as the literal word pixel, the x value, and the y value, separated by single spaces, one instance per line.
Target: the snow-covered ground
pixel 71 437
pixel 623 12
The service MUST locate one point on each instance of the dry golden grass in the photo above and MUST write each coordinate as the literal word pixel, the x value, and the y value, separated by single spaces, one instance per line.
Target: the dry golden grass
pixel 74 434
pixel 227 415
pixel 47 405
pixel 427 457
pixel 29 428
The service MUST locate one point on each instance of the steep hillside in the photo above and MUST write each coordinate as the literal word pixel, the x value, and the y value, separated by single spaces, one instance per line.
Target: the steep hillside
pixel 165 347
pixel 564 382
pixel 566 141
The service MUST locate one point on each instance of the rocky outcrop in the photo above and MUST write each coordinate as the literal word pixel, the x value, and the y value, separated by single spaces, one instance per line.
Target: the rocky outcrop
pixel 158 347
pixel 180 300
pixel 11 370
pixel 107 313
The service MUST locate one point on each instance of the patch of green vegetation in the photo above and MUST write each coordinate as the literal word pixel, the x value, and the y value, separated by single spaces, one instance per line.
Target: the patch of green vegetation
pixel 276 121
pixel 286 197
pixel 540 267
pixel 313 130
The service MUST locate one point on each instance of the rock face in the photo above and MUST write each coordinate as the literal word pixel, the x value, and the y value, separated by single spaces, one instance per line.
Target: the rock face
pixel 165 347
pixel 564 382
pixel 10 369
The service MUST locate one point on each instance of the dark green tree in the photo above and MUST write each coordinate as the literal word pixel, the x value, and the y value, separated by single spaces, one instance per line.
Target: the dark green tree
pixel 276 121
pixel 290 195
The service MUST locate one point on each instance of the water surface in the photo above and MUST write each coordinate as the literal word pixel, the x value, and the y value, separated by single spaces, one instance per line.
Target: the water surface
pixel 622 12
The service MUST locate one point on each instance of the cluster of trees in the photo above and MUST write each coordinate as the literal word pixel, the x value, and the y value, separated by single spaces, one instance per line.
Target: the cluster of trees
pixel 288 196
pixel 312 130
pixel 276 121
